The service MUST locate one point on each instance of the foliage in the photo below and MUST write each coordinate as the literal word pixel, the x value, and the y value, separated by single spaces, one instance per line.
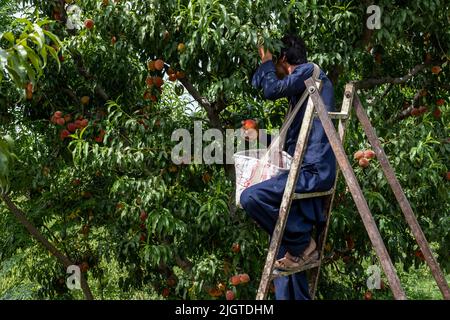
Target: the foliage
pixel 6 158
pixel 108 194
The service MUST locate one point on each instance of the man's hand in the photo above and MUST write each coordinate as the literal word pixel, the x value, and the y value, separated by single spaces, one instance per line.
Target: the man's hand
pixel 265 55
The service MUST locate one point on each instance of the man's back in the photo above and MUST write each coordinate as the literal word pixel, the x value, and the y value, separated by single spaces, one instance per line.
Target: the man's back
pixel 319 155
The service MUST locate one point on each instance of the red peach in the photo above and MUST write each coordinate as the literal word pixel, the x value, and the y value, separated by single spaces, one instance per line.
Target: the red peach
pixel 89 23
pixel 229 295
pixel 72 127
pixel 159 64
pixel 437 113
pixel 236 248
pixel 363 162
pixel 244 278
pixel 369 154
pixel 60 121
pixel 358 155
pixel 64 134
pixel 249 124
pixel 84 123
pixel 143 215
pixel 166 292
pixel 235 280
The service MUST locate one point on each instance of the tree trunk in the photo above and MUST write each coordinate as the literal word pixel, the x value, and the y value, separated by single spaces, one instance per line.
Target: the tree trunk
pixel 20 216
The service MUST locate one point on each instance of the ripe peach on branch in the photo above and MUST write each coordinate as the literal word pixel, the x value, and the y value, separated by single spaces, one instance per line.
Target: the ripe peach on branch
pixel 436 69
pixel 363 163
pixel 89 24
pixel 159 64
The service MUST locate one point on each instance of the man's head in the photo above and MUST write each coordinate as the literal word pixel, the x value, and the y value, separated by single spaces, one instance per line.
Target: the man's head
pixel 292 53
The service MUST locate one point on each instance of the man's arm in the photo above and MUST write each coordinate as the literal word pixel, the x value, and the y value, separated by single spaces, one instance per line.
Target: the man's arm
pixel 265 78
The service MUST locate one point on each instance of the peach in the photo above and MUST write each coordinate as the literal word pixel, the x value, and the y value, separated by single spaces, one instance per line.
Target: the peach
pixel 358 155
pixel 159 64
pixel 363 162
pixel 235 280
pixel 229 295
pixel 60 121
pixel 89 24
pixel 244 278
pixel 369 154
pixel 236 248
pixel 72 127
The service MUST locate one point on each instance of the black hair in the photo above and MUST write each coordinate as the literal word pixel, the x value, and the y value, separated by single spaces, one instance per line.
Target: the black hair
pixel 294 49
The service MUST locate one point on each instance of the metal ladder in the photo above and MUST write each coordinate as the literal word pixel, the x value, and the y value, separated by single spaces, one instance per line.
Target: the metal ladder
pixel 317 108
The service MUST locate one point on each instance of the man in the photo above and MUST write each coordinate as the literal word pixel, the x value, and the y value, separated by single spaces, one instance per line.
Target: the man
pixel 262 201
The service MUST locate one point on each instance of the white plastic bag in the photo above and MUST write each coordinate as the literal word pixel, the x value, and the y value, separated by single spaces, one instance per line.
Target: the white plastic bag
pixel 257 165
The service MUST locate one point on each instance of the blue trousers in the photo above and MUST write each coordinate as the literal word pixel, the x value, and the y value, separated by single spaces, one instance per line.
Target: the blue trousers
pixel 262 203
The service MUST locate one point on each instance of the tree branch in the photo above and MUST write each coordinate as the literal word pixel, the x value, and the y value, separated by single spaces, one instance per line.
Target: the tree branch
pixel 213 114
pixel 403 114
pixel 407 111
pixel 87 75
pixel 371 83
pixel 195 94
pixel 213 110
pixel 71 94
pixel 383 95
pixel 20 216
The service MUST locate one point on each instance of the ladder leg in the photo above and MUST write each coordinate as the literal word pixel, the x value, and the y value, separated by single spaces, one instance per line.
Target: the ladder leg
pixel 401 199
pixel 356 192
pixel 342 125
pixel 286 202
pixel 315 272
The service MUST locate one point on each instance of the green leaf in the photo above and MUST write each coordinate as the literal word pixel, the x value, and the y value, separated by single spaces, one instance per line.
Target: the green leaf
pixel 3 56
pixel 53 53
pixel 16 70
pixel 40 34
pixel 33 58
pixel 36 39
pixel 30 73
pixel 43 22
pixel 82 132
pixel 21 51
pixel 43 53
pixel 25 21
pixel 53 37
pixel 86 149
pixel 9 36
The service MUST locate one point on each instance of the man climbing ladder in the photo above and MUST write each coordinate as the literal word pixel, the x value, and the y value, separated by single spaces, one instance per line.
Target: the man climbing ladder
pixel 262 201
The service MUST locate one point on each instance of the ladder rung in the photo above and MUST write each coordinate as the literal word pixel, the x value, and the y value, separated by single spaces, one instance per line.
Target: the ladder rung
pixel 278 273
pixel 312 194
pixel 336 115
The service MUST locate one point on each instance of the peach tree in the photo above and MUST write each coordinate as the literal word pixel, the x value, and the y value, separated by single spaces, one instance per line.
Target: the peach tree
pixel 92 171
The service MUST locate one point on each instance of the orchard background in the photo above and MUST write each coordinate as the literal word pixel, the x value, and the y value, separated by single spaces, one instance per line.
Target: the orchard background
pixel 87 112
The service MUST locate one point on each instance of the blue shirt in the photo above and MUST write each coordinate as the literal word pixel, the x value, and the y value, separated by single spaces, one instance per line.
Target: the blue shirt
pixel 319 157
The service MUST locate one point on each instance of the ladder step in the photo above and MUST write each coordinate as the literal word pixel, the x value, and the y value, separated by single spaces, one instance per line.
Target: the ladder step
pixel 336 115
pixel 278 273
pixel 312 194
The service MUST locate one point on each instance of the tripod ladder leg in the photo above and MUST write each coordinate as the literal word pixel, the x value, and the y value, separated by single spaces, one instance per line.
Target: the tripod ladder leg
pixel 286 202
pixel 342 125
pixel 356 192
pixel 402 200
